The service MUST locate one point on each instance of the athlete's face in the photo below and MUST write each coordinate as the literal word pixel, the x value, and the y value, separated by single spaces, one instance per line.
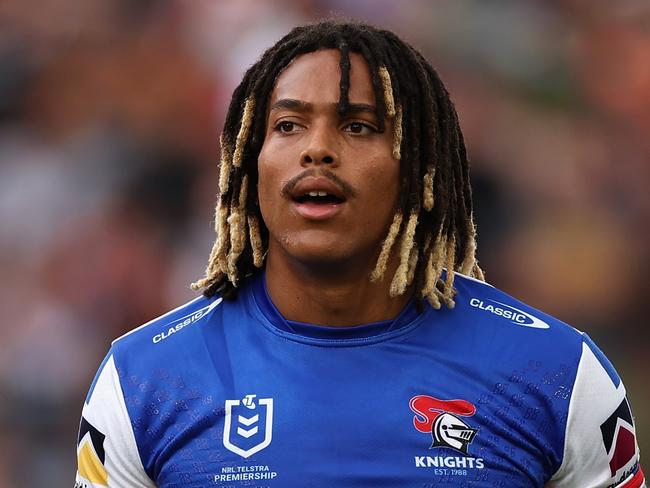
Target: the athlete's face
pixel 328 183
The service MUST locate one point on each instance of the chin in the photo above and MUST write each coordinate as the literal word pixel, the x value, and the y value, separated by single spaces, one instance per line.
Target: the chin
pixel 314 246
pixel 324 251
pixel 316 252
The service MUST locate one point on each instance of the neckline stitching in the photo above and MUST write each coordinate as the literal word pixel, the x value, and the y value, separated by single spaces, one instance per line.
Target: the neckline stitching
pixel 341 343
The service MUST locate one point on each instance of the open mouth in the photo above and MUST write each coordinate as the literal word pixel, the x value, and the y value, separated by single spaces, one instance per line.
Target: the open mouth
pixel 319 198
pixel 318 205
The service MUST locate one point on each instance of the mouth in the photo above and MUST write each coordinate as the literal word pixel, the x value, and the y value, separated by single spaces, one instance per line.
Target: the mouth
pixel 317 198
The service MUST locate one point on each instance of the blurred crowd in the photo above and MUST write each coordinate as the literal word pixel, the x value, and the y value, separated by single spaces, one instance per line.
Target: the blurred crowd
pixel 110 112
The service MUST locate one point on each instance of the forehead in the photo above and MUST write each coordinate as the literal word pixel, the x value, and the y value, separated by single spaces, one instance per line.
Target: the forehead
pixel 315 77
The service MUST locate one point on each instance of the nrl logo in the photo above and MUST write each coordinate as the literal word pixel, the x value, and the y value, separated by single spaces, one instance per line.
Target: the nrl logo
pixel 248 426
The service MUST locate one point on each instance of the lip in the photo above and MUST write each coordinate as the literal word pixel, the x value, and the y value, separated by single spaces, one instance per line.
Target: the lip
pixel 317 183
pixel 318 211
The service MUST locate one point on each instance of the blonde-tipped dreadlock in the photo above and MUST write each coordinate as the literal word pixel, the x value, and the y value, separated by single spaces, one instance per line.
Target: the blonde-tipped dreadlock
pixel 433 221
pixel 226 164
pixel 256 241
pixel 448 289
pixel 400 280
pixel 392 111
pixel 380 268
pixel 469 264
pixel 427 196
pixel 478 272
pixel 388 91
pixel 242 137
pixel 237 221
pixel 397 133
pixel 432 272
pixel 223 240
pixel 412 264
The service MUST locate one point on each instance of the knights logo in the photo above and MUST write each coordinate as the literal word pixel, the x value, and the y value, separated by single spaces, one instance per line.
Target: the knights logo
pixel 441 419
pixel 248 425
pixel 91 455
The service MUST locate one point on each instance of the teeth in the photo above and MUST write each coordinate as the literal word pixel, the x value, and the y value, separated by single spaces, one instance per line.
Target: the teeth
pixel 313 193
pixel 317 193
pixel 322 193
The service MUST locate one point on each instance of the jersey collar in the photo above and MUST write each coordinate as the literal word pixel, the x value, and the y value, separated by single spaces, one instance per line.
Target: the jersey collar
pixel 297 330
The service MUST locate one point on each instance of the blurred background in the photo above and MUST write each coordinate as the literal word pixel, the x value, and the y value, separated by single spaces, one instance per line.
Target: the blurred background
pixel 109 119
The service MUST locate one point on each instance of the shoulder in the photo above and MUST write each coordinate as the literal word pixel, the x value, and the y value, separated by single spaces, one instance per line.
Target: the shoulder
pixel 170 345
pixel 131 379
pixel 597 427
pixel 504 318
pixel 493 314
pixel 153 372
pixel 510 328
pixel 154 337
pixel 489 304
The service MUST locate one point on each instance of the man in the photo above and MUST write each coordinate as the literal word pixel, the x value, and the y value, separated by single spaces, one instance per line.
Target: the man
pixel 345 336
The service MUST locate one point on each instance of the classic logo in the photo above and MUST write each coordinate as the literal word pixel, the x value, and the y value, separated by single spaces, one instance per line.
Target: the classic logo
pixel 91 455
pixel 440 419
pixel 248 426
pixel 516 316
pixel 179 324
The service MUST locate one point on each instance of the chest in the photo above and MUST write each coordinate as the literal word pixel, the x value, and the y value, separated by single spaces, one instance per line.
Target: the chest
pixel 350 419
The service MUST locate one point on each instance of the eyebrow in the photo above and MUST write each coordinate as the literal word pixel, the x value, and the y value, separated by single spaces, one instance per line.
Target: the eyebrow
pixel 302 106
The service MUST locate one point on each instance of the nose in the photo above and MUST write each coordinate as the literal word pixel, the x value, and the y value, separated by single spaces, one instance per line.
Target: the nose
pixel 321 149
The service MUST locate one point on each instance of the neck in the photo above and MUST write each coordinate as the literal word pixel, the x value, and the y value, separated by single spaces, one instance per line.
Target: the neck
pixel 330 294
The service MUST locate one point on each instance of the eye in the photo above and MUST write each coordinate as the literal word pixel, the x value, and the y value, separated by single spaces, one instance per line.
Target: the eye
pixel 359 128
pixel 287 127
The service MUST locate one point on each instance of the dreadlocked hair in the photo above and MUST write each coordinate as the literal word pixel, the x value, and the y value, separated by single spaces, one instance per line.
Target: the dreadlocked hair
pixel 433 226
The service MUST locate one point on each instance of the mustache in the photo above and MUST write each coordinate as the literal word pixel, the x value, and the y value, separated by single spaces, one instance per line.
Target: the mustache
pixel 345 187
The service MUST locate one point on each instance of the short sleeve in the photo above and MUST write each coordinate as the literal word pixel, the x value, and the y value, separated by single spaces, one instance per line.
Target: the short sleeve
pixel 107 454
pixel 600 447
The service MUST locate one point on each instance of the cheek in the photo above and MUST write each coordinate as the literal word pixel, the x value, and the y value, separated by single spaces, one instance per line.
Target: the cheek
pixel 380 198
pixel 269 186
pixel 383 181
pixel 264 192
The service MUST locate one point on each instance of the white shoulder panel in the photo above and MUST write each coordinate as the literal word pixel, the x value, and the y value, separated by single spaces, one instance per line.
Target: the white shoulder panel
pixel 600 448
pixel 107 454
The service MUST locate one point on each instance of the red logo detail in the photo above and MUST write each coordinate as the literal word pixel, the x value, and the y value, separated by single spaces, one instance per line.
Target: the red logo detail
pixel 428 408
pixel 624 449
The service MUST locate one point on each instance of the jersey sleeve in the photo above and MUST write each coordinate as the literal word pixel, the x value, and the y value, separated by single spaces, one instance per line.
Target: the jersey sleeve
pixel 600 447
pixel 107 454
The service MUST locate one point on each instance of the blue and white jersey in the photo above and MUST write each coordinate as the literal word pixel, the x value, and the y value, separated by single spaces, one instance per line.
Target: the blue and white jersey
pixel 229 394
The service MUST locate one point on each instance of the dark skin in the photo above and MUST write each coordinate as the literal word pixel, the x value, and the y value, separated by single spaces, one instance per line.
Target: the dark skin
pixel 321 253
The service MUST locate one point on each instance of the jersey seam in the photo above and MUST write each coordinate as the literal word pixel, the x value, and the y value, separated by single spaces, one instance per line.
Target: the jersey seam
pixel 562 467
pixel 154 320
pixel 125 413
